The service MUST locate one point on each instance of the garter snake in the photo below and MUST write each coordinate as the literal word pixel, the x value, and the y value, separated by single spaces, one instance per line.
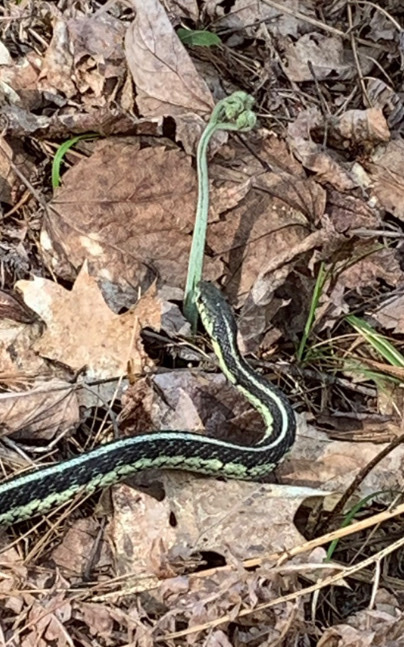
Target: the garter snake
pixel 36 492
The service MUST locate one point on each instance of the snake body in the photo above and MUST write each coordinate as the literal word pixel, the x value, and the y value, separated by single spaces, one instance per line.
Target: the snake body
pixel 37 492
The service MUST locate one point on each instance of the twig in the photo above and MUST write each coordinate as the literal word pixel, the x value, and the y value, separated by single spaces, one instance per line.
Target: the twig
pixel 365 95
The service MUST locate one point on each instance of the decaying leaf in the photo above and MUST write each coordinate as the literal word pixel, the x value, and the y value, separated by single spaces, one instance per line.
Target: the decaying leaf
pixel 129 212
pixel 386 173
pixel 382 625
pixel 11 307
pixel 325 53
pixel 316 461
pixel 362 127
pixel 71 556
pixel 391 314
pixel 12 154
pixel 82 332
pixel 166 80
pixel 43 411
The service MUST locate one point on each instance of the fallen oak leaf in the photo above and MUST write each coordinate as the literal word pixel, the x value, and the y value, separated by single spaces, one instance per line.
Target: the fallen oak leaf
pixel 83 331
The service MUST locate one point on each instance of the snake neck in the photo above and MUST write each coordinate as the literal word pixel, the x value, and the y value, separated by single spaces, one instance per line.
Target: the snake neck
pixel 267 399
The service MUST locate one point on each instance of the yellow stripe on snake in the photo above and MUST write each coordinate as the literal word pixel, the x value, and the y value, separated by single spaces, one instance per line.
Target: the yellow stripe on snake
pixel 38 491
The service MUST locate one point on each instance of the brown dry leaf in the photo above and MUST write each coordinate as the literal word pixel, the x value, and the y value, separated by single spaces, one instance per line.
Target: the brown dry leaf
pixel 19 363
pixel 312 155
pixel 20 77
pixel 325 53
pixel 327 169
pixel 84 55
pixel 12 152
pixel 99 620
pixel 300 193
pixel 99 57
pixel 234 519
pixel 218 639
pixel 229 187
pixel 129 212
pixel 316 461
pixel 270 217
pixel 374 266
pixel 140 533
pixel 348 212
pixel 282 177
pixel 246 15
pixel 9 181
pixel 13 574
pixel 137 621
pixel 362 127
pixel 57 71
pixel 166 80
pixel 273 219
pixel 376 428
pixel 46 621
pixel 274 214
pixel 21 366
pixel 188 131
pixel 273 274
pixel 222 595
pixel 390 399
pixel 382 27
pixel 12 307
pixel 386 172
pixel 5 56
pixel 73 554
pixel 380 265
pixel 184 8
pixel 260 228
pixel 85 60
pixel 83 332
pixel 45 410
pixel 383 625
pixel 391 314
pixel 191 401
pixel 382 96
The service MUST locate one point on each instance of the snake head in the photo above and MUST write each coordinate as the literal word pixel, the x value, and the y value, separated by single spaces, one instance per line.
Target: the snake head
pixel 214 311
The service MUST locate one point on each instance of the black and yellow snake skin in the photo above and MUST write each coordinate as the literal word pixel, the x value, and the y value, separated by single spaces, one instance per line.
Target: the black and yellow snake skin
pixel 38 491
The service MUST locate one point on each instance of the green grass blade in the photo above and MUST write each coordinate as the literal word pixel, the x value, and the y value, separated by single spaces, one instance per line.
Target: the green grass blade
pixel 350 515
pixel 380 343
pixel 318 289
pixel 198 38
pixel 60 154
